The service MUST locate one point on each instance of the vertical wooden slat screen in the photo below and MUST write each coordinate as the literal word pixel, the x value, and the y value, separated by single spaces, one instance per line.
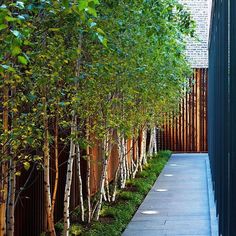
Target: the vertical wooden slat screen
pixel 188 131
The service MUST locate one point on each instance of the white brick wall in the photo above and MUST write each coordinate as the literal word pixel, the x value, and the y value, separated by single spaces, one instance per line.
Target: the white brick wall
pixel 197 50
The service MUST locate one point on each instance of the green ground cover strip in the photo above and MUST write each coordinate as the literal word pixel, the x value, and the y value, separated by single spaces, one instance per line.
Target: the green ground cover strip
pixel 115 216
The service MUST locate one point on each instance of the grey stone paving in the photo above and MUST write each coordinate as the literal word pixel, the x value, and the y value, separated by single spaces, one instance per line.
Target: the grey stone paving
pixel 179 203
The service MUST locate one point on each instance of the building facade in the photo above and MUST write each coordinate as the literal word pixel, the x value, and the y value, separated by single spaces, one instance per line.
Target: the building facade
pixel 197 48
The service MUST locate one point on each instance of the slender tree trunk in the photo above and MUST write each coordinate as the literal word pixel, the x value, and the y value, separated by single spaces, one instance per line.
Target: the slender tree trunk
pixel 105 157
pixel 4 166
pixel 113 198
pixel 151 143
pixel 88 177
pixel 145 146
pixel 107 190
pixel 69 175
pixel 11 199
pixel 121 160
pixel 101 187
pixel 143 158
pixel 78 156
pixel 124 154
pixel 140 160
pixel 127 167
pixel 132 167
pixel 155 140
pixel 3 200
pixel 104 192
pixel 81 200
pixel 54 196
pixel 47 192
pixel 137 161
pixel 11 181
pixel 127 161
pixel 88 188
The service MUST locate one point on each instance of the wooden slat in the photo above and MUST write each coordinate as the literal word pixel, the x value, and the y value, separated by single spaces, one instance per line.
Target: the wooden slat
pixel 188 131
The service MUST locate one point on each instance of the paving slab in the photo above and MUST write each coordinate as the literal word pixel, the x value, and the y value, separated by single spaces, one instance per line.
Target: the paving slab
pixel 180 201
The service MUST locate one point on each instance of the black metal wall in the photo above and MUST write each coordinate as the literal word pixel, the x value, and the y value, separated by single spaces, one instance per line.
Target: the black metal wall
pixel 222 112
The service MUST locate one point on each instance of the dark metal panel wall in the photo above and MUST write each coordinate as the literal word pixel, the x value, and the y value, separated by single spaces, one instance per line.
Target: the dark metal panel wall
pixel 232 119
pixel 222 112
pixel 187 132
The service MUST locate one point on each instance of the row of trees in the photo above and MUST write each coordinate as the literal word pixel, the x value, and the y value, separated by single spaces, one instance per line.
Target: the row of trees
pixel 81 72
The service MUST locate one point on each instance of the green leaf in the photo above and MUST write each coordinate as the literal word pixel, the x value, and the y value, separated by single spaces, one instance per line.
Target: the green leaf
pixel 10 19
pixel 16 50
pixel 26 165
pixel 65 3
pixel 54 29
pixel 3 26
pixel 83 4
pixel 99 30
pixel 9 68
pixel 91 11
pixel 22 60
pixel 96 2
pixel 26 42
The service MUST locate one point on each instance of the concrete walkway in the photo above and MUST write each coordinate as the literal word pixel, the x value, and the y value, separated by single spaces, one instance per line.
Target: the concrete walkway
pixel 180 202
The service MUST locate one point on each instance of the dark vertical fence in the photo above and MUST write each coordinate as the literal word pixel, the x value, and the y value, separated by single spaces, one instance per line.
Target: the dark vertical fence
pixel 222 112
pixel 187 132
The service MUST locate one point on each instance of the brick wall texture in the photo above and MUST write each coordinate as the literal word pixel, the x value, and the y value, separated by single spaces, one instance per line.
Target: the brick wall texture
pixel 197 49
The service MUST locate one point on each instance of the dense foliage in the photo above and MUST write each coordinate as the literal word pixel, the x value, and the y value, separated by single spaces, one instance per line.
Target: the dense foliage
pixel 73 70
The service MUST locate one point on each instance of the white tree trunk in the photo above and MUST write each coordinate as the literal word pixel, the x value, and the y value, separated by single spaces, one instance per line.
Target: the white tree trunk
pixel 88 186
pixel 113 198
pixel 81 200
pixel 47 191
pixel 11 199
pixel 107 190
pixel 56 155
pixel 122 160
pixel 104 193
pixel 3 197
pixel 145 146
pixel 105 156
pixel 151 143
pixel 143 159
pixel 137 161
pixel 131 169
pixel 4 165
pixel 124 163
pixel 127 161
pixel 155 140
pixel 69 175
pixel 101 187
